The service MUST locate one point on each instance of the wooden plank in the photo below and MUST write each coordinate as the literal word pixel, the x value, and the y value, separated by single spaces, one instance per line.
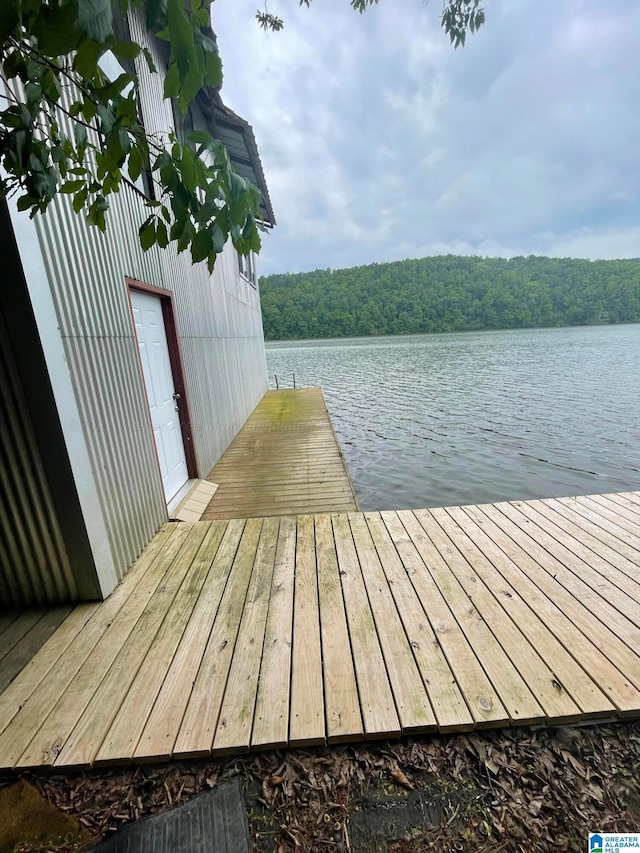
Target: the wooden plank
pixel 36 710
pixel 558 610
pixel 275 499
pixel 606 521
pixel 93 698
pixel 284 491
pixel 23 685
pixel 271 722
pixel 30 644
pixel 479 694
pixel 201 715
pixel 514 694
pixel 562 687
pixel 519 700
pixel 462 557
pixel 306 725
pixel 6 619
pixel 443 693
pixel 589 529
pixel 620 504
pixel 235 722
pixel 581 563
pixel 122 738
pixel 161 729
pixel 287 442
pixel 412 703
pixel 576 603
pixel 630 498
pixel 19 628
pixel 342 708
pixel 302 508
pixel 376 696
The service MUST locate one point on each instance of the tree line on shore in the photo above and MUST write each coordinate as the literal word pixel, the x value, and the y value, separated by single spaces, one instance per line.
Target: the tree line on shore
pixel 449 293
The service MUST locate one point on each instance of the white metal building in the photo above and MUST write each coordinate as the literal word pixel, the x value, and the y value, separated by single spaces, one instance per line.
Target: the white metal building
pixel 123 375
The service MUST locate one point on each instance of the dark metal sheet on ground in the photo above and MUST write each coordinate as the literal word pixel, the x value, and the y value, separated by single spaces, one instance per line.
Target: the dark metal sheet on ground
pixel 214 822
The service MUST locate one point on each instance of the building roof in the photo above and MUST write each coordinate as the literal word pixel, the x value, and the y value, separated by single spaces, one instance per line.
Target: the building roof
pixel 238 137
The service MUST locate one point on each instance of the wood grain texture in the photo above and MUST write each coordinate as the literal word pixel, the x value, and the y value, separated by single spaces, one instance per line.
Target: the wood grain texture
pixel 285 461
pixel 271 720
pixel 342 706
pixel 306 721
pixel 257 633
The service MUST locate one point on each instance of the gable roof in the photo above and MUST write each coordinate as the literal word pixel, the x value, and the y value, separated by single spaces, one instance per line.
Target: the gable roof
pixel 237 136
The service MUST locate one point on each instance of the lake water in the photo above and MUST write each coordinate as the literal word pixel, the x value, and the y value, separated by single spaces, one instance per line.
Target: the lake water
pixel 436 420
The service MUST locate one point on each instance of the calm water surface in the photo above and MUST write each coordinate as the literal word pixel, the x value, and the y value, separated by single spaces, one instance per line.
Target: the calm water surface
pixel 435 420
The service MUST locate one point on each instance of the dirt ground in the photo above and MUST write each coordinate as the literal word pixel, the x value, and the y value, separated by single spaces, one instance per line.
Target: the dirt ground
pixel 509 790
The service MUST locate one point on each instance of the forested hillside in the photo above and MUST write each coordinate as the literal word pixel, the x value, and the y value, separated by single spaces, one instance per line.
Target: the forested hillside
pixel 450 293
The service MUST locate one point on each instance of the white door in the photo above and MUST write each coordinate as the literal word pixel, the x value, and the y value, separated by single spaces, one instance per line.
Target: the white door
pixel 156 367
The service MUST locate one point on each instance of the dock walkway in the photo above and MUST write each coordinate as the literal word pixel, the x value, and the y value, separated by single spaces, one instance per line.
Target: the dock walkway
pixel 286 460
pixel 265 632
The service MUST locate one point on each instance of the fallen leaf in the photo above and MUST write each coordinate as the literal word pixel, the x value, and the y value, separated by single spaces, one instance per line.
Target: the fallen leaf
pixel 400 779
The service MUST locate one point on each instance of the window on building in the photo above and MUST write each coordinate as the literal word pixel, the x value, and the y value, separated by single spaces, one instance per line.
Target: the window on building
pixel 246 265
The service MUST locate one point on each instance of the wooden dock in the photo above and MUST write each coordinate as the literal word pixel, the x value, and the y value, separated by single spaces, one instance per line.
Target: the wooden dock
pixel 265 632
pixel 286 460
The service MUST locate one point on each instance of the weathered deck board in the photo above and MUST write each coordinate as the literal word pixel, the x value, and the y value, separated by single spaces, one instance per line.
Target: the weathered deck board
pixel 247 634
pixel 342 708
pixel 306 718
pixel 17 647
pixel 271 720
pixel 286 460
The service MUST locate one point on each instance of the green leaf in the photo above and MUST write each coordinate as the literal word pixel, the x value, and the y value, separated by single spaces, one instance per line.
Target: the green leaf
pixel 147 234
pixel 219 238
pixel 156 12
pixel 71 186
pixel 25 202
pixel 56 29
pixel 96 213
pixel 199 137
pixel 213 70
pixel 135 164
pixel 86 59
pixel 162 237
pixel 126 49
pixel 95 18
pixel 201 245
pixel 172 82
pixel 79 200
pixel 181 35
pixel 9 18
pixel 80 135
pixel 150 63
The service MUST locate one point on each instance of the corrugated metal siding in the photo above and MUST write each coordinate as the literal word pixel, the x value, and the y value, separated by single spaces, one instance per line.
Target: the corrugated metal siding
pixel 34 567
pixel 219 325
pixel 219 319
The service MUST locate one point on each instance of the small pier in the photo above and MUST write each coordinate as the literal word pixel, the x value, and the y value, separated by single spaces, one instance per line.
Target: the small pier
pixel 245 634
pixel 286 460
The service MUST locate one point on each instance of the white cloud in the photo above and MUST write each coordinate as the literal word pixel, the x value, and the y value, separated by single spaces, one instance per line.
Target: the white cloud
pixel 380 142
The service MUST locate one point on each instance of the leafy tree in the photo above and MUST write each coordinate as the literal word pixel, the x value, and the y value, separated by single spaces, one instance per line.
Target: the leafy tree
pixel 448 294
pixel 67 128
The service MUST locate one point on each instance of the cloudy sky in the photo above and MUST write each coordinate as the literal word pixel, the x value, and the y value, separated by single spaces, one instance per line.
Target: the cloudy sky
pixel 381 142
